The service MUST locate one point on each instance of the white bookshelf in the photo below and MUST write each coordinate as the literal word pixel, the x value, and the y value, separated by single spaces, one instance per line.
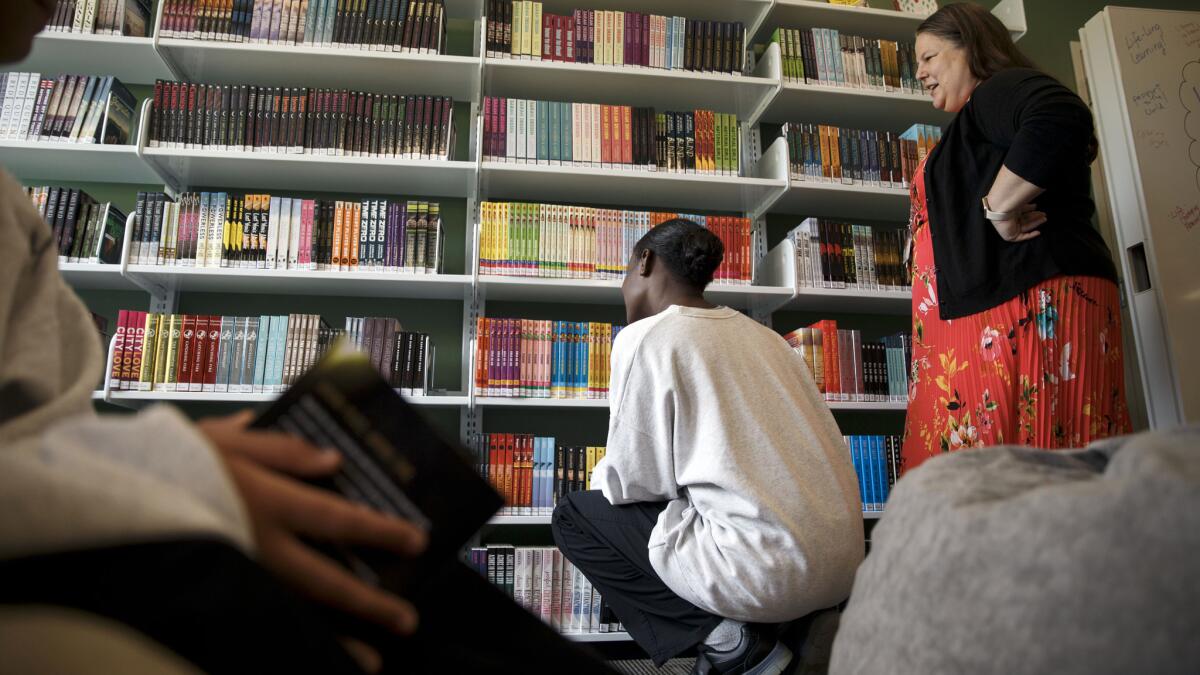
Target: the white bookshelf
pixel 868 202
pixel 627 85
pixel 608 291
pixel 868 406
pixel 332 67
pixel 146 397
pixel 598 637
pixel 92 276
pixel 503 180
pixel 131 60
pixel 746 11
pixel 302 282
pixel 778 267
pixel 299 172
pixel 88 162
pixel 870 22
pixel 513 402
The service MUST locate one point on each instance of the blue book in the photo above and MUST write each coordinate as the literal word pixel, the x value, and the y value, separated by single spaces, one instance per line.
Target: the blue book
pixel 877 486
pixel 669 60
pixel 280 351
pixel 260 352
pixel 556 360
pixel 855 459
pixel 555 141
pixel 568 126
pixel 881 472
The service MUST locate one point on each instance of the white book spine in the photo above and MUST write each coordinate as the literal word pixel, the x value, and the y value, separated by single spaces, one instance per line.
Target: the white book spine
pixel 294 234
pixel 273 216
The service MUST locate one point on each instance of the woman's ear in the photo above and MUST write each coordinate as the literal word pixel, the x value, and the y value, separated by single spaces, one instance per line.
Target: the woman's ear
pixel 646 263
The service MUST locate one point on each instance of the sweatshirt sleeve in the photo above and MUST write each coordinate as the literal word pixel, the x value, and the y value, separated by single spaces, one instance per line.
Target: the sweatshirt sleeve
pixel 1044 125
pixel 638 465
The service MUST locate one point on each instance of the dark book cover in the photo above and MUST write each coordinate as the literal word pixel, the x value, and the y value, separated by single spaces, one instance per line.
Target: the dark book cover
pixel 70 218
pixel 427 111
pixel 112 237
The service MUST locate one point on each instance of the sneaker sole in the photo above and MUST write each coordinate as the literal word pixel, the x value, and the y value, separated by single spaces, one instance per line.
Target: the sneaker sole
pixel 775 663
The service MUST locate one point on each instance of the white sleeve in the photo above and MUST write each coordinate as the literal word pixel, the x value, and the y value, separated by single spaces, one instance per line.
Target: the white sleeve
pixel 639 464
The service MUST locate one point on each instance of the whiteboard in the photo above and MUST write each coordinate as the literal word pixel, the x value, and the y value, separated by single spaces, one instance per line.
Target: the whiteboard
pixel 1143 69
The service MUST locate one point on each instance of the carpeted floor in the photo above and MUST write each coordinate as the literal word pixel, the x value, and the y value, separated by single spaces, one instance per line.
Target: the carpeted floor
pixel 646 667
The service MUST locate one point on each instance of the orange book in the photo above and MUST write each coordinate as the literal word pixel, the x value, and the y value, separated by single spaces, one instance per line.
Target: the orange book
pixel 709 159
pixel 354 230
pixel 335 259
pixel 605 134
pixel 833 369
pixel 527 482
pixel 826 167
pixel 507 470
pixel 835 153
pixel 626 134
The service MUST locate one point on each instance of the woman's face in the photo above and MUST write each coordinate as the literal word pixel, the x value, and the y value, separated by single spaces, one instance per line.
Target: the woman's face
pixel 943 70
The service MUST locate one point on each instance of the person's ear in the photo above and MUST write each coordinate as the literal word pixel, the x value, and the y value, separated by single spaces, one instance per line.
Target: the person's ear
pixel 646 263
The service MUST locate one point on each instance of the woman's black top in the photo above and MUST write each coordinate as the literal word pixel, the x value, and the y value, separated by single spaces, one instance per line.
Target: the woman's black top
pixel 1028 121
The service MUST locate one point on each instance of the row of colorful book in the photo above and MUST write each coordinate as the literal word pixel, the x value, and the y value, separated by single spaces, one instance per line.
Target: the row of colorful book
pixel 832 254
pixel 246 354
pixel 533 472
pixel 415 26
pixel 65 109
pixel 526 358
pixel 825 153
pixel 263 231
pixel 555 133
pixel 829 57
pixel 579 242
pixel 877 464
pixel 102 17
pixel 84 230
pixel 300 120
pixel 845 368
pixel 519 29
pixel 545 583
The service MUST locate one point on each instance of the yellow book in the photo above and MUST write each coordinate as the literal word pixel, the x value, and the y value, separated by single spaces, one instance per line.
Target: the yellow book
pixel 527 28
pixel 149 345
pixel 590 464
pixel 618 38
pixel 169 367
pixel 518 8
pixel 535 29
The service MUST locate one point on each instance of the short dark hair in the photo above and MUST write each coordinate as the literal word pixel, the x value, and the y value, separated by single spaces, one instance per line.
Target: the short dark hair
pixel 989 47
pixel 691 253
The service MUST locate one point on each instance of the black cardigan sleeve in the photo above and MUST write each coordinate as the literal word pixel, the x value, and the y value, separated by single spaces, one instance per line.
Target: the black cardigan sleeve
pixel 1045 126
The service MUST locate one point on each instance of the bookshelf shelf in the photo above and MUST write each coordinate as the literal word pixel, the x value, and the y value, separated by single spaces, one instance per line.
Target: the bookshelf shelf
pixel 608 291
pixel 300 66
pixel 864 21
pixel 506 402
pixel 87 162
pixel 120 397
pixel 850 107
pixel 92 276
pixel 849 300
pixel 303 282
pixel 746 11
pixel 627 85
pixel 545 520
pixel 131 59
pixel 628 188
pixel 324 173
pixel 598 637
pixel 868 406
pixel 815 198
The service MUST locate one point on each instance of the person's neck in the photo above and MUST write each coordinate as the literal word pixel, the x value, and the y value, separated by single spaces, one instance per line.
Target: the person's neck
pixel 684 297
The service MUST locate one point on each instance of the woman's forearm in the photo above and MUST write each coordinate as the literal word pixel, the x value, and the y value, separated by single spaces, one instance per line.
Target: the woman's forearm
pixel 1009 191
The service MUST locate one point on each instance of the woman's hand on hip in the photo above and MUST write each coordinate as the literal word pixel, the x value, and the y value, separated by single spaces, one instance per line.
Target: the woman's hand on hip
pixel 1023 226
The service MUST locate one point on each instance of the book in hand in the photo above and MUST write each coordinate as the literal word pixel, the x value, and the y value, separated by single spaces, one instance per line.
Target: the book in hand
pixel 392 462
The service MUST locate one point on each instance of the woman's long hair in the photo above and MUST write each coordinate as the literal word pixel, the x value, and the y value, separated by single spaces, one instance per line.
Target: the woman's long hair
pixel 989 47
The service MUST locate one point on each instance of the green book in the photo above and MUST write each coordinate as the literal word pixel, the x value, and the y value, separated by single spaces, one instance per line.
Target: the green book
pixel 567 136
pixel 543 132
pixel 555 134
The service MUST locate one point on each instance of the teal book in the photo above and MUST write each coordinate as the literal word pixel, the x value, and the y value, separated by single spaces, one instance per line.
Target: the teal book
pixel 567 111
pixel 260 352
pixel 543 132
pixel 555 133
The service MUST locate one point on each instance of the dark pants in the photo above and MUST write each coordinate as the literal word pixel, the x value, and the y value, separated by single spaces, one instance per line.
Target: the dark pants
pixel 213 606
pixel 610 545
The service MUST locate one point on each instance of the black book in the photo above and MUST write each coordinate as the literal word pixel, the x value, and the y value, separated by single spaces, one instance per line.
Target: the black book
pixel 689 45
pixel 394 462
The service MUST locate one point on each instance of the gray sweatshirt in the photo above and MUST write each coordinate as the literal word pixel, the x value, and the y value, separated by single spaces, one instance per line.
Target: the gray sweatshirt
pixel 716 414
pixel 70 478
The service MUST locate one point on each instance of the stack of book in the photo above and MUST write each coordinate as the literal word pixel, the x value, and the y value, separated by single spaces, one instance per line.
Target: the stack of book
pixel 831 254
pixel 531 472
pixel 518 29
pixel 418 26
pixel 580 242
pixel 525 358
pixel 65 109
pixel 829 57
pixel 847 369
pixel 85 230
pixel 300 120
pixel 877 463
pixel 251 354
pixel 263 231
pixel 544 582
pixel 610 136
pixel 102 17
pixel 824 153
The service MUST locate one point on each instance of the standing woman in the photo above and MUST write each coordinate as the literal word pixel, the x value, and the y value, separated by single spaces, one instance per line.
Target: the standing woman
pixel 1016 321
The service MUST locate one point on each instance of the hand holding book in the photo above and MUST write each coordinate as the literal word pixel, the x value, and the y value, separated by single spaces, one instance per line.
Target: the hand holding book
pixel 265 466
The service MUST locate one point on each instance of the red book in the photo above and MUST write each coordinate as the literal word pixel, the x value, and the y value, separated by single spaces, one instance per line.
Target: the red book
pixel 199 353
pixel 527 496
pixel 569 33
pixel 133 356
pixel 183 360
pixel 117 374
pixel 547 32
pixel 605 134
pixel 833 369
pixel 214 347
pixel 507 463
pixel 494 458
